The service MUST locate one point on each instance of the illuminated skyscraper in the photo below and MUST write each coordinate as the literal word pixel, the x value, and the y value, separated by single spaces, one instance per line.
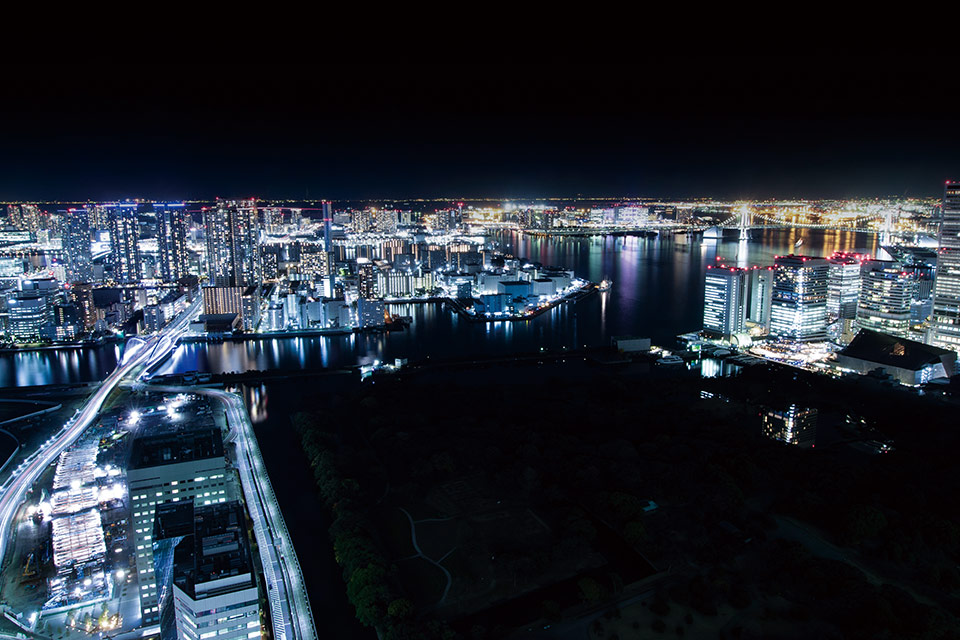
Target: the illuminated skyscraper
pixel 366 280
pixel 13 215
pixel 725 300
pixel 328 280
pixel 761 296
pixel 30 217
pixel 233 239
pixel 798 310
pixel 885 296
pixel 97 217
pixel 386 220
pixel 273 220
pixel 843 285
pixel 76 244
pixel 946 289
pixel 171 241
pixel 125 243
pixel 361 221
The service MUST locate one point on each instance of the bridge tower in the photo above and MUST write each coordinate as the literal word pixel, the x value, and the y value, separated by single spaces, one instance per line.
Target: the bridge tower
pixel 886 229
pixel 744 224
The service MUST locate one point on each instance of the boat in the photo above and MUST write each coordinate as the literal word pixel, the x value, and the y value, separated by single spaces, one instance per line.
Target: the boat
pixel 798 243
pixel 670 360
pixel 721 353
pixel 605 285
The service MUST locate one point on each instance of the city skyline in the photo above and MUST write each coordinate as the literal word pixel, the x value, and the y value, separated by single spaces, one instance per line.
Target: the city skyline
pixel 293 411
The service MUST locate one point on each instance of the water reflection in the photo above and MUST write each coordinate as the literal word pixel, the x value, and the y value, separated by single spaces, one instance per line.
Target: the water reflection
pixel 657 292
pixel 57 366
pixel 256 400
pixel 717 368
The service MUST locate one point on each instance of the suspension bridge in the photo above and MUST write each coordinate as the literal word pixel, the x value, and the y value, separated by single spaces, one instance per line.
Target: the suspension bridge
pixel 746 220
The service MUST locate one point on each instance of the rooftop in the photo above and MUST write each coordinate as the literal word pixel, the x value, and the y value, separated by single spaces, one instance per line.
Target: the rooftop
pixel 892 351
pixel 214 555
pixel 175 446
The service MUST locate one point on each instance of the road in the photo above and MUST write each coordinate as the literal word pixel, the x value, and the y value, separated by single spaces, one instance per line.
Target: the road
pixel 139 352
pixel 290 612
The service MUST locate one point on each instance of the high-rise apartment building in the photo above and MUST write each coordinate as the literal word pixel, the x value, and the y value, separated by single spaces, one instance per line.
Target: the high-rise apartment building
pixel 386 220
pixel 725 300
pixel 946 288
pixel 76 244
pixel 328 279
pixel 233 239
pixel 171 241
pixel 366 280
pixel 177 466
pixel 25 217
pixel 798 310
pixel 885 296
pixel 125 243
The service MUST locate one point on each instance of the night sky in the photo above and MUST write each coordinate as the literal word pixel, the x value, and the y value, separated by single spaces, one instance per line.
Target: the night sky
pixel 660 127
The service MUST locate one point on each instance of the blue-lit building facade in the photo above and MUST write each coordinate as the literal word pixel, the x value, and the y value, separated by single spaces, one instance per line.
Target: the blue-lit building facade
pixel 799 307
pixel 725 300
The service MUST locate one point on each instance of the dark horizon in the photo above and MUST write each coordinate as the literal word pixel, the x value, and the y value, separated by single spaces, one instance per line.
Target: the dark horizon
pixel 678 128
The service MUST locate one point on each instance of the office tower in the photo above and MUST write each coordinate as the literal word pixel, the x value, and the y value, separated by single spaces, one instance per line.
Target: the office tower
pixel 125 243
pixel 885 296
pixel 174 466
pixel 27 313
pixel 233 239
pixel 798 310
pixel 792 425
pixel 206 578
pixel 725 301
pixel 761 296
pixel 366 281
pixel 946 288
pixel 843 285
pixel 76 244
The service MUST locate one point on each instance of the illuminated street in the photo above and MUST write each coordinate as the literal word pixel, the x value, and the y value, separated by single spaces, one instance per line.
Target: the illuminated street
pixel 142 355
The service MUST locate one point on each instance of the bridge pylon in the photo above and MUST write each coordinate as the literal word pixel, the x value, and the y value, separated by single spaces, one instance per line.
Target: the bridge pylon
pixel 744 224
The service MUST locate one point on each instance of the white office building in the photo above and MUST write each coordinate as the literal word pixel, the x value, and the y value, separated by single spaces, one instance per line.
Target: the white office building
pixel 885 296
pixel 725 300
pixel 946 289
pixel 177 466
